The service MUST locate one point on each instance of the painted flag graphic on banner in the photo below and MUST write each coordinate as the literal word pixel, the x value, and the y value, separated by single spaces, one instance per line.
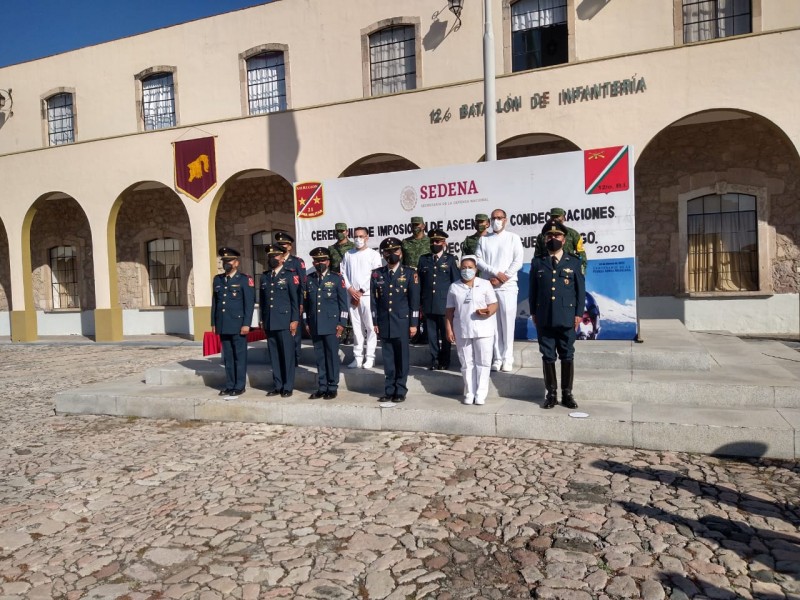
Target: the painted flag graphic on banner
pixel 308 201
pixel 606 170
pixel 195 167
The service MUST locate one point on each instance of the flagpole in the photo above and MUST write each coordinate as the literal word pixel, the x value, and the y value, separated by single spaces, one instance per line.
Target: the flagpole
pixel 489 112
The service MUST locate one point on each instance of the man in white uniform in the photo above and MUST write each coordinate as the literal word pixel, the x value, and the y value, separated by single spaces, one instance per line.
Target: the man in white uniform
pixel 357 266
pixel 499 256
pixel 471 325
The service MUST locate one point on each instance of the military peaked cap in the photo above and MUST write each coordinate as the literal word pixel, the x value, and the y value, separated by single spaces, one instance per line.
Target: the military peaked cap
pixel 282 236
pixel 321 252
pixel 228 253
pixel 553 226
pixel 272 249
pixel 391 243
pixel 438 234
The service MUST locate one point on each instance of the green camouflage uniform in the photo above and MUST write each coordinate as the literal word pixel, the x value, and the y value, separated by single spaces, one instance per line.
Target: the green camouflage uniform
pixel 470 244
pixel 337 254
pixel 413 249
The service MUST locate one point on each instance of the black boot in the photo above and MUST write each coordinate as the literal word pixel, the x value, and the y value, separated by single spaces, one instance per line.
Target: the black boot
pixel 550 384
pixel 567 375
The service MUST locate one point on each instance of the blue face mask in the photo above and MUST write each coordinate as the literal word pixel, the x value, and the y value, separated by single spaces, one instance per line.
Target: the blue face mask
pixel 468 274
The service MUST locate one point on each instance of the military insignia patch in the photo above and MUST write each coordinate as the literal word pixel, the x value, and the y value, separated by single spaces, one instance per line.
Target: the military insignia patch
pixel 250 282
pixel 296 280
pixel 566 282
pixel 416 278
pixel 567 270
pixel 328 284
pixel 282 281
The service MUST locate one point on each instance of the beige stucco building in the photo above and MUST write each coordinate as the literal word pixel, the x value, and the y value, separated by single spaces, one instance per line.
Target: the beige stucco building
pixel 96 240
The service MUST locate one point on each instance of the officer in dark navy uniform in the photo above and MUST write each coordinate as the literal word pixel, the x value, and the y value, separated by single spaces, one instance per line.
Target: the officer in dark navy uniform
pixel 232 304
pixel 557 299
pixel 280 316
pixel 437 270
pixel 326 317
pixel 285 242
pixel 395 312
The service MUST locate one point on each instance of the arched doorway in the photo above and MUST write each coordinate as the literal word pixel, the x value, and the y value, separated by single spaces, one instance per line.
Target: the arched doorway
pixel 62 267
pixel 153 260
pixel 378 163
pixel 718 219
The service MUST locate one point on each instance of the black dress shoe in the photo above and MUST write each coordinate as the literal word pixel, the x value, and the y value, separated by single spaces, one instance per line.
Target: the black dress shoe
pixel 433 367
pixel 330 395
pixel 569 402
pixel 549 402
pixel 286 393
pixel 274 393
pixel 318 394
pixel 443 367
pixel 237 392
pixel 385 398
pixel 225 392
pixel 398 398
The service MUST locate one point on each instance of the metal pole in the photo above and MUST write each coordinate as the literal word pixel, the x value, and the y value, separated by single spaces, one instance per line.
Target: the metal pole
pixel 489 112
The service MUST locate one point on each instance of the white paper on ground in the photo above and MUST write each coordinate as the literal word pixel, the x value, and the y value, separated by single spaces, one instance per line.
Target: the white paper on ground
pixel 578 415
pixel 387 404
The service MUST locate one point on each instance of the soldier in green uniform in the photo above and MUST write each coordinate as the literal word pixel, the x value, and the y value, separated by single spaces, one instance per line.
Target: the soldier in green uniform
pixel 416 244
pixel 340 248
pixel 470 244
pixel 573 243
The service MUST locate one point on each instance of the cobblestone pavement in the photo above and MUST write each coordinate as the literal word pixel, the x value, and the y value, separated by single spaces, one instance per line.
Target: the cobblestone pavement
pixel 100 507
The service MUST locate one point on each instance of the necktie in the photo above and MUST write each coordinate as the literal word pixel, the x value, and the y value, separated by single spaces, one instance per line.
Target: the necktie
pixel 555 262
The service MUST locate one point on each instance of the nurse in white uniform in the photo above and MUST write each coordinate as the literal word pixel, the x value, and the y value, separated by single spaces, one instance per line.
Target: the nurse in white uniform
pixel 471 326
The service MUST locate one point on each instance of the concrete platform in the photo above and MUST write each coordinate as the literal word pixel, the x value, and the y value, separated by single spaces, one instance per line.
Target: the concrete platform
pixel 741 398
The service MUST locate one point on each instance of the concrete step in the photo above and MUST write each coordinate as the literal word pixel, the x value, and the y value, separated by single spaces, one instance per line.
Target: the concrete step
pixel 761 431
pixel 736 387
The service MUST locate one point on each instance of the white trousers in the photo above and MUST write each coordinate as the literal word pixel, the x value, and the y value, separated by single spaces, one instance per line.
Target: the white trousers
pixel 475 355
pixel 361 319
pixel 506 319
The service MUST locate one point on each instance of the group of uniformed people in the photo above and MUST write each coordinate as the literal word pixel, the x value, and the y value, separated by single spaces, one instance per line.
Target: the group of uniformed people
pixel 408 289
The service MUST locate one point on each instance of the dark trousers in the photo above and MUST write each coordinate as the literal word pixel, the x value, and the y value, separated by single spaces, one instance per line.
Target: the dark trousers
pixel 234 355
pixel 440 351
pixel 326 351
pixel 298 341
pixel 281 357
pixel 395 364
pixel 556 342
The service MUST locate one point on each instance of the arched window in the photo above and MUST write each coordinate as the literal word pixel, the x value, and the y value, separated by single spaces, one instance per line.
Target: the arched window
pixel 539 34
pixel 393 60
pixel 60 119
pixel 259 240
pixel 722 232
pixel 266 83
pixel 164 271
pixel 64 277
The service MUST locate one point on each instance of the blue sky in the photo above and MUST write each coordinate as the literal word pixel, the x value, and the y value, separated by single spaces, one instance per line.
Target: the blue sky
pixel 31 29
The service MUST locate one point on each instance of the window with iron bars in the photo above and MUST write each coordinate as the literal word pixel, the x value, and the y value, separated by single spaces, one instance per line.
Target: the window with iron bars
pixel 64 277
pixel 266 83
pixel 392 60
pixel 60 120
pixel 539 34
pixel 711 19
pixel 158 101
pixel 164 272
pixel 259 240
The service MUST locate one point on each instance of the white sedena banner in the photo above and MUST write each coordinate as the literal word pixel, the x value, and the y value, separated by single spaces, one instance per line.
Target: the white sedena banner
pixel 595 187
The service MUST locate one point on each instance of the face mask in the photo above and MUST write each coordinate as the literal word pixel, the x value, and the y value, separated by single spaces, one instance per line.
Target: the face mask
pixel 273 262
pixel 553 244
pixel 497 224
pixel 482 227
pixel 416 228
pixel 227 267
pixel 320 267
pixel 467 274
pixel 340 235
pixel 282 247
pixel 393 259
pixel 360 242
pixel 437 248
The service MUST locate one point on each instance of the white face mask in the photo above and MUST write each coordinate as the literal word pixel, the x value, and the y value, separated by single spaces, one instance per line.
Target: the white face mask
pixel 497 225
pixel 467 274
pixel 360 242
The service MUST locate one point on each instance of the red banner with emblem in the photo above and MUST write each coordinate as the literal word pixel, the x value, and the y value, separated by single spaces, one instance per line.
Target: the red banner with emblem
pixel 195 167
pixel 606 170
pixel 308 200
